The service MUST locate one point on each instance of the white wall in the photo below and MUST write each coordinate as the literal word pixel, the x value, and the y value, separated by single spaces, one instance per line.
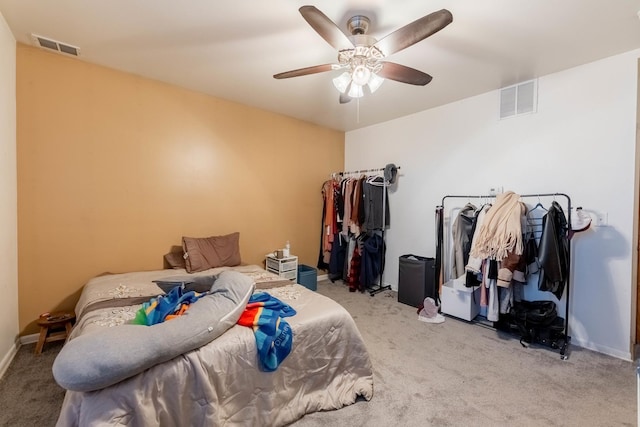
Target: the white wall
pixel 582 141
pixel 8 198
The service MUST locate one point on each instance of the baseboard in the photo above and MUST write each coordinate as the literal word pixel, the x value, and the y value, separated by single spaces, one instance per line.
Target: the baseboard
pixel 29 339
pixel 8 358
pixel 600 349
pixel 323 277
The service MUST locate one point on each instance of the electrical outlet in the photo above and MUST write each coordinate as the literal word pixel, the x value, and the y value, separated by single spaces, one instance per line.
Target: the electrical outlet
pixel 601 219
pixel 494 191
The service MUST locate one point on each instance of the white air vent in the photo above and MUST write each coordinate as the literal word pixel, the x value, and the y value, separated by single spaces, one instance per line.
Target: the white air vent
pixel 519 99
pixel 50 44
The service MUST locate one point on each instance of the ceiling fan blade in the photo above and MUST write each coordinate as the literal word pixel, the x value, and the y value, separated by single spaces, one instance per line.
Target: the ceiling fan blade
pixel 327 29
pixel 412 33
pixel 305 71
pixel 344 98
pixel 403 74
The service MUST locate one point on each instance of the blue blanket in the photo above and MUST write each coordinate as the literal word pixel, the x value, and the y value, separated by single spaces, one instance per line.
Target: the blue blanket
pixel 274 337
pixel 161 308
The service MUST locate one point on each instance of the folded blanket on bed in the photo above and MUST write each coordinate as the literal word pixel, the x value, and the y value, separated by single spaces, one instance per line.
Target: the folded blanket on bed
pixel 164 307
pixel 274 337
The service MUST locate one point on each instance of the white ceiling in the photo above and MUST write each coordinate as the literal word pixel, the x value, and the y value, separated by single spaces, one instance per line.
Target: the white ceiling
pixel 231 49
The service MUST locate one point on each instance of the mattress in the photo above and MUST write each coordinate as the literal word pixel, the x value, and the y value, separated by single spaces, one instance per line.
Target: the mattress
pixel 221 382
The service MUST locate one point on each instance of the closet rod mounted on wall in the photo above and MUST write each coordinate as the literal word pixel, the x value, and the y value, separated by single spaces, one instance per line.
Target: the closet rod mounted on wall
pixel 360 171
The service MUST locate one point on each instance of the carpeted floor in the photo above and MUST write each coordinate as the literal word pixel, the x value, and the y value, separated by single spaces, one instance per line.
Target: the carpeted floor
pixel 462 374
pixel 29 396
pixel 449 374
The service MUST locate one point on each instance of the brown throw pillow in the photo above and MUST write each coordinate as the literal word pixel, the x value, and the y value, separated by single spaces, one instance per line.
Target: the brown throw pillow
pixel 175 259
pixel 202 253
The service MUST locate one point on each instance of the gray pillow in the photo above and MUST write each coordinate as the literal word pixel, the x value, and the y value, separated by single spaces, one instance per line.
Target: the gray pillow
pixel 108 356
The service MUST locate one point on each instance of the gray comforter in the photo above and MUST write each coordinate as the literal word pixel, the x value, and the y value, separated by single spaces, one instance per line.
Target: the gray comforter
pixel 220 383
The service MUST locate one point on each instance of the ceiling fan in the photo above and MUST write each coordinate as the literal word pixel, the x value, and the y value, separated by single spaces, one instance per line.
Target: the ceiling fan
pixel 362 56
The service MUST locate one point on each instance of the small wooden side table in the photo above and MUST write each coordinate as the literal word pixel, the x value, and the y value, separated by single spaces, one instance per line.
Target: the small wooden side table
pixel 54 327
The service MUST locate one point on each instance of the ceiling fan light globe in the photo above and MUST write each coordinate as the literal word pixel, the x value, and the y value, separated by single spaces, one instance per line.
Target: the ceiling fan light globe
pixel 361 75
pixel 355 91
pixel 342 82
pixel 375 82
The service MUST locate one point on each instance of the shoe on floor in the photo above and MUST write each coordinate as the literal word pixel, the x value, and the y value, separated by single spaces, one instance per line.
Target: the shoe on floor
pixel 429 312
pixel 438 318
pixel 429 307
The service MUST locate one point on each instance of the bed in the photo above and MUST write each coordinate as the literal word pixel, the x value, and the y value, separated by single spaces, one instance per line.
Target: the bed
pixel 221 382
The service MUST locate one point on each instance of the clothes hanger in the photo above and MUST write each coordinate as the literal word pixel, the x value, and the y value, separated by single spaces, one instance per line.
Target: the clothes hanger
pixel 375 180
pixel 538 206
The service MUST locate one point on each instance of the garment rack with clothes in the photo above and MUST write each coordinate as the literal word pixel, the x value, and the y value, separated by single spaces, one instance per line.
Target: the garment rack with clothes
pixel 563 343
pixel 386 181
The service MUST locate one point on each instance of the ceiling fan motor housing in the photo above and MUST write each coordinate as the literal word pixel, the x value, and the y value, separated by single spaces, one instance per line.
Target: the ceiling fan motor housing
pixel 358 24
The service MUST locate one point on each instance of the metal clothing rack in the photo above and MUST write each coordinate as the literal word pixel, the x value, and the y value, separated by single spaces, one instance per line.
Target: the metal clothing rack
pixel 566 338
pixel 380 286
pixel 360 171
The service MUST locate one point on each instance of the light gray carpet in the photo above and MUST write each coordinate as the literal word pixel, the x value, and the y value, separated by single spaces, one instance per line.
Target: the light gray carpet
pixel 462 374
pixel 29 396
pixel 449 374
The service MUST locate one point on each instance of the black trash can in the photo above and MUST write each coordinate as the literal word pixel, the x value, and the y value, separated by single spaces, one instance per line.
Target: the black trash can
pixel 416 280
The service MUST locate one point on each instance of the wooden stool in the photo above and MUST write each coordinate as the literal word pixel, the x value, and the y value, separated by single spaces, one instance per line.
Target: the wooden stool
pixel 50 322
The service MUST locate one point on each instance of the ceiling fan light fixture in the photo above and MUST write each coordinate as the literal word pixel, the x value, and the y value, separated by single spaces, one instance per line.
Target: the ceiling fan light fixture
pixel 361 75
pixel 355 91
pixel 342 82
pixel 375 82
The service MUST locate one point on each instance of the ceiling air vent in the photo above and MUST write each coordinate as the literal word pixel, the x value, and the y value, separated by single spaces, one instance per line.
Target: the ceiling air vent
pixel 50 44
pixel 519 99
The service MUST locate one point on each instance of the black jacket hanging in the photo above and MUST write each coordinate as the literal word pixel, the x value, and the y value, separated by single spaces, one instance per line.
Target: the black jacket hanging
pixel 553 252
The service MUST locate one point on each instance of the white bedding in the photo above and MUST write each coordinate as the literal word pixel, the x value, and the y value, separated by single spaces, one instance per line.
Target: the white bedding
pixel 220 383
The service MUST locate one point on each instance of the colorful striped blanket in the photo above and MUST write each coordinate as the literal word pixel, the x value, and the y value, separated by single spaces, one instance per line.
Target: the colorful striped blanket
pixel 274 337
pixel 166 307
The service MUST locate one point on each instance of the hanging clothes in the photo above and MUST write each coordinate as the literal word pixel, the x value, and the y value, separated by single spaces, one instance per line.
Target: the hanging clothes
pixel 372 262
pixel 324 243
pixel 336 261
pixel 553 252
pixel 501 231
pixel 357 206
pixel 474 264
pixel 500 236
pixel 373 193
pixel 352 244
pixel 462 237
pixel 354 272
pixel 491 283
pixel 330 195
pixel 438 261
pixel 348 191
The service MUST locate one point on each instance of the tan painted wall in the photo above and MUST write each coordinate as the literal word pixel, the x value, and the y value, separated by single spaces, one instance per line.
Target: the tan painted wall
pixel 113 169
